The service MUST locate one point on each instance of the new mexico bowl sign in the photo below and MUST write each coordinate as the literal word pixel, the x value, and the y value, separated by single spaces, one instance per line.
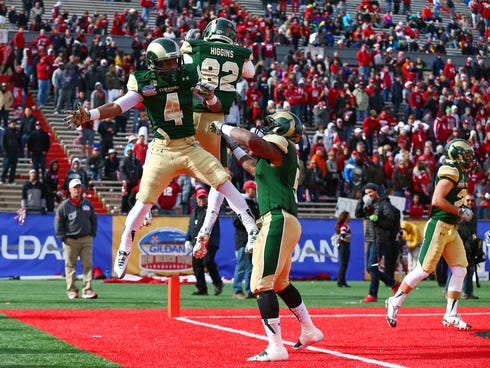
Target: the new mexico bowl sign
pixel 163 251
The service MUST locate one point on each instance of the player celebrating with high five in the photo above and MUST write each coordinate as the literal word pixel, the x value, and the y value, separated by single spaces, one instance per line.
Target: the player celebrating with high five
pixel 166 90
pixel 221 63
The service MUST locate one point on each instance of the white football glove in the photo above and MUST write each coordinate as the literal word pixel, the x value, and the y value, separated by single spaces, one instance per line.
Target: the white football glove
pixel 465 214
pixel 487 195
pixel 76 118
pixel 216 126
pixel 204 90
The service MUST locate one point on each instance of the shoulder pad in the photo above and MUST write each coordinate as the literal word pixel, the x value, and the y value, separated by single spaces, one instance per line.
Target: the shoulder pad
pixel 186 47
pixel 278 140
pixel 132 83
pixel 448 172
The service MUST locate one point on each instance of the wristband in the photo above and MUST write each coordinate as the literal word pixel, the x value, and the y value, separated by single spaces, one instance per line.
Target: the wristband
pixel 212 101
pixel 94 114
pixel 226 129
pixel 238 152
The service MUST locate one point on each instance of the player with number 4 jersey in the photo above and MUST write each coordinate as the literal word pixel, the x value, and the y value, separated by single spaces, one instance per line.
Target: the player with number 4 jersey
pixel 166 90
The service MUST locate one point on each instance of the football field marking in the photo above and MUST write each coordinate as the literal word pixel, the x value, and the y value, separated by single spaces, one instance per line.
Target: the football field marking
pixel 313 348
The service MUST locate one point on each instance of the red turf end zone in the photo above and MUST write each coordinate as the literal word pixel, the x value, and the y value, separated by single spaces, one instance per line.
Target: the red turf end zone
pixel 354 337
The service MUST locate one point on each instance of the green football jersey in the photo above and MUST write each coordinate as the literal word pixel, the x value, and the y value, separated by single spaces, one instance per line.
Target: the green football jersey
pixel 277 185
pixel 455 195
pixel 168 105
pixel 220 65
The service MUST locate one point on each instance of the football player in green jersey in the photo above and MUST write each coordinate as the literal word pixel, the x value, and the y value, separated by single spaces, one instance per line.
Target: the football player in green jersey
pixel 441 237
pixel 166 90
pixel 276 172
pixel 221 63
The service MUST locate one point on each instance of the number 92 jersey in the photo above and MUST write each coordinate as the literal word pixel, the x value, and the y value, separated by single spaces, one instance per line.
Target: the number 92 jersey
pixel 169 105
pixel 219 64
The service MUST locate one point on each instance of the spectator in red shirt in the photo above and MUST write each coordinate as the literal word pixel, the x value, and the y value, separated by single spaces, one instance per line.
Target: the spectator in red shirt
pixel 169 199
pixel 449 72
pixel 370 127
pixel 364 60
pixel 428 158
pixel 421 180
pixel 416 208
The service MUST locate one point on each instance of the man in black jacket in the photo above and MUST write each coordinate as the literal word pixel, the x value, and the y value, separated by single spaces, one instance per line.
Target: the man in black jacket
pixel 243 267
pixel 198 264
pixel 380 235
pixel 11 151
pixel 38 145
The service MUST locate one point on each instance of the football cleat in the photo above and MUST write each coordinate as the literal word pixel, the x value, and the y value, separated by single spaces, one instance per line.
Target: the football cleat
pixel 308 338
pixel 121 264
pixel 391 312
pixel 270 356
pixel 252 237
pixel 455 321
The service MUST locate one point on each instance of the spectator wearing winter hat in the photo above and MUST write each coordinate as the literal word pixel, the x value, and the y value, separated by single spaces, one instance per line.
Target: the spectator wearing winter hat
pixel 76 172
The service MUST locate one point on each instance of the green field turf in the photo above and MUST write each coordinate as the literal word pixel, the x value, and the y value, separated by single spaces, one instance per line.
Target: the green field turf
pixel 50 294
pixel 24 346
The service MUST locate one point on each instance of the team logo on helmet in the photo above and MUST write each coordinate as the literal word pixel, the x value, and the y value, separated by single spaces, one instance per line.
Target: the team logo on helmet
pixel 165 59
pixel 459 152
pixel 286 124
pixel 220 29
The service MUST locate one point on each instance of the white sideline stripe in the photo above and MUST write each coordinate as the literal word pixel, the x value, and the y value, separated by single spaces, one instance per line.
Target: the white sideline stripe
pixel 347 315
pixel 261 337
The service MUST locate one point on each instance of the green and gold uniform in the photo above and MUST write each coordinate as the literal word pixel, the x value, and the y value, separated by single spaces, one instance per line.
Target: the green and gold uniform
pixel 441 235
pixel 174 150
pixel 220 65
pixel 281 230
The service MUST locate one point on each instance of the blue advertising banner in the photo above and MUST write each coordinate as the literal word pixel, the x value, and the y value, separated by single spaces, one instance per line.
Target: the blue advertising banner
pixel 314 255
pixel 33 249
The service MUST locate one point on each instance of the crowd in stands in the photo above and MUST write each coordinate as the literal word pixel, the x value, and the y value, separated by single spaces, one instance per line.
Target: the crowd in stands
pixel 384 120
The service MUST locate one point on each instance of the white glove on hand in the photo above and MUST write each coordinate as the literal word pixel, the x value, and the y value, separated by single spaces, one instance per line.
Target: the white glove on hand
pixel 487 195
pixel 367 200
pixel 76 118
pixel 204 89
pixel 188 246
pixel 465 214
pixel 216 126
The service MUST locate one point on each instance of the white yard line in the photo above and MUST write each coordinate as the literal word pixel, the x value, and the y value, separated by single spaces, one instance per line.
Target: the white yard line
pixel 261 337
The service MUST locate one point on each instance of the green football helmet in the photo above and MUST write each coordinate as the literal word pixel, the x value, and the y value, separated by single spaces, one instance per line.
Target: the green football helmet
pixel 459 152
pixel 286 124
pixel 220 29
pixel 165 59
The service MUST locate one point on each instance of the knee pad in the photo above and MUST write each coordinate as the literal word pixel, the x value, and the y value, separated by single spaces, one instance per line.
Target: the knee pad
pixel 457 277
pixel 414 277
